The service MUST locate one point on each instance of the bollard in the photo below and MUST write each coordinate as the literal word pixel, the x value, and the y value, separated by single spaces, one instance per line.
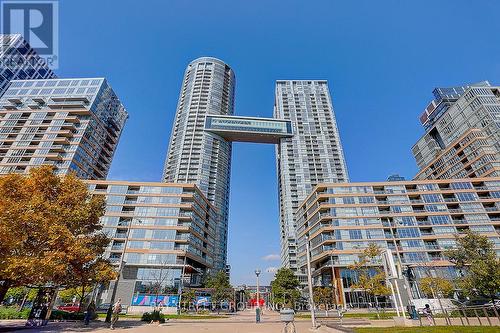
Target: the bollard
pixel 257 315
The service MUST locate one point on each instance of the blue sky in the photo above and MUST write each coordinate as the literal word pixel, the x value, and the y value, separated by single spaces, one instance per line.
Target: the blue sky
pixel 382 59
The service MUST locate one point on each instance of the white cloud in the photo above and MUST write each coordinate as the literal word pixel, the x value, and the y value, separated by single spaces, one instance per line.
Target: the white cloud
pixel 271 269
pixel 271 257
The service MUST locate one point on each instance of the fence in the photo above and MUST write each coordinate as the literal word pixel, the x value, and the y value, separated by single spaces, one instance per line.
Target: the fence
pixel 481 315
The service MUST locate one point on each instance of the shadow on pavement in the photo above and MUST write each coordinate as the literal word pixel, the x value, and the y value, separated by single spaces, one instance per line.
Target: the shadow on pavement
pixel 72 326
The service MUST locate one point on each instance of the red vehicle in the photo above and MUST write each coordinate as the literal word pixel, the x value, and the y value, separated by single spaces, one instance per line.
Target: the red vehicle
pixel 253 302
pixel 70 307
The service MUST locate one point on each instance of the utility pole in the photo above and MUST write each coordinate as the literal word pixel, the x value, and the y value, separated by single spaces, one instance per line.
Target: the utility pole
pixel 309 282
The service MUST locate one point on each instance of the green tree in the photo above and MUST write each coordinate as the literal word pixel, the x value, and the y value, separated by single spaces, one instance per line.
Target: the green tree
pixel 475 256
pixel 188 297
pixel 323 296
pixel 284 287
pixel 221 288
pixel 436 287
pixel 370 276
pixel 21 294
pixel 50 231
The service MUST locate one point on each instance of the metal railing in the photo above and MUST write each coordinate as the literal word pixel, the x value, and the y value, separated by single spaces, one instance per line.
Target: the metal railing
pixel 479 315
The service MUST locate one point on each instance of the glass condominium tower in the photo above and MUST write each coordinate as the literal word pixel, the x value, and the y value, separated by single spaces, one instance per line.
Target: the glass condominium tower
pixel 71 124
pixel 312 156
pixel 199 157
pixel 18 61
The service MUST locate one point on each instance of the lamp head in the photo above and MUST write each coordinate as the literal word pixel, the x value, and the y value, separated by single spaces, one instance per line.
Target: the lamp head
pixel 257 272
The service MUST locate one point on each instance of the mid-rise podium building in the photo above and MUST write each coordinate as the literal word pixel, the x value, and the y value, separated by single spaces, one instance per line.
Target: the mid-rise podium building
pixel 165 235
pixel 417 220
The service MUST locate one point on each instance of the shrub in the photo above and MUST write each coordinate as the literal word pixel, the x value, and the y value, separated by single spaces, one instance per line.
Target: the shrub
pixel 64 315
pixel 153 316
pixel 12 312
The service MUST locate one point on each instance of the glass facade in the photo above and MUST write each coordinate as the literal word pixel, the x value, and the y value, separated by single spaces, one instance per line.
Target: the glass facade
pixel 462 136
pixel 72 124
pixel 263 130
pixel 18 61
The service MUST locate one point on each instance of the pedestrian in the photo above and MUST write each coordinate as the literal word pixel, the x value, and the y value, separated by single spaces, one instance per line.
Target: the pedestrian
pixel 89 314
pixel 117 308
pixel 428 314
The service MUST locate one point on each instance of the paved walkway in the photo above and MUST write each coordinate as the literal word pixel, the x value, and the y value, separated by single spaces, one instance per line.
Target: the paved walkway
pixel 242 322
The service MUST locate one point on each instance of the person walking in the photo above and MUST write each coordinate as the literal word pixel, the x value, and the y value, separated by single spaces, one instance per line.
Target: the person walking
pixel 89 314
pixel 117 308
pixel 428 314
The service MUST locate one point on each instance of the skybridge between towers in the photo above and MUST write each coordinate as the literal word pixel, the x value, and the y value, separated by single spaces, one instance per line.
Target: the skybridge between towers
pixel 249 129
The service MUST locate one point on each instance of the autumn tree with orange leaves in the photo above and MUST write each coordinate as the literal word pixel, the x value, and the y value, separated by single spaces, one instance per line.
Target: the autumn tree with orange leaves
pixel 50 232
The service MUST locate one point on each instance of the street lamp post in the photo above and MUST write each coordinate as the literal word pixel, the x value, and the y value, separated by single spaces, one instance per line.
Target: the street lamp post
pixel 181 284
pixel 120 268
pixel 257 310
pixel 309 282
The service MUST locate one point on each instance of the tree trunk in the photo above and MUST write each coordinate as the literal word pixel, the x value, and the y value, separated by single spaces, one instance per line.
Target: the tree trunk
pixel 4 287
pixel 81 300
pixel 21 307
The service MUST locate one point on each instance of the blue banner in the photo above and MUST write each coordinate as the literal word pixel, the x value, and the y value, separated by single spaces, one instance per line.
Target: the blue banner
pixel 203 300
pixel 153 300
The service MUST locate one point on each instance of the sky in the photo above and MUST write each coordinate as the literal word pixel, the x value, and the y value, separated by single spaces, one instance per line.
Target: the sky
pixel 382 60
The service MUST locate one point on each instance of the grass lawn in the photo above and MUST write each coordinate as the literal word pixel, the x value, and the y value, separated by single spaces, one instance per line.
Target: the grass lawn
pixel 367 315
pixel 434 329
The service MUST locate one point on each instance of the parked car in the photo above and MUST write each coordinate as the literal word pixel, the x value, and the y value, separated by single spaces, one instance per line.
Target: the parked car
pixel 102 308
pixel 495 303
pixel 70 307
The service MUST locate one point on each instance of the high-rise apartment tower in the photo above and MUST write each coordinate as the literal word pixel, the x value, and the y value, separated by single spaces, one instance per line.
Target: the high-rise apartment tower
pixel 312 156
pixel 200 157
pixel 462 136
